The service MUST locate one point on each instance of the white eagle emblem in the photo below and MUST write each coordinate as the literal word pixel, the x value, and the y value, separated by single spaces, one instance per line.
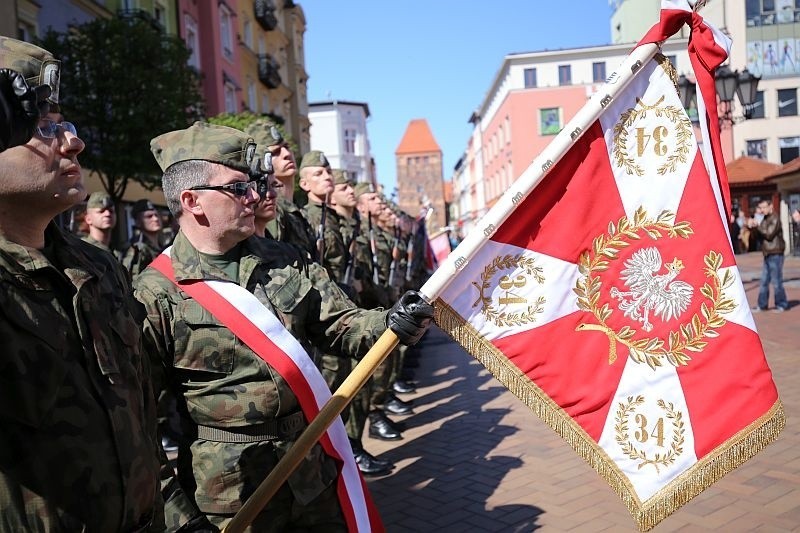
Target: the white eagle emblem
pixel 650 291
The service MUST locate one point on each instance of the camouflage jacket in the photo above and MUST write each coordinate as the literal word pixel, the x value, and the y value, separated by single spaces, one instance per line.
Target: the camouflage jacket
pixel 138 255
pixel 335 254
pixel 91 240
pixel 371 294
pixel 78 450
pixel 292 227
pixel 222 383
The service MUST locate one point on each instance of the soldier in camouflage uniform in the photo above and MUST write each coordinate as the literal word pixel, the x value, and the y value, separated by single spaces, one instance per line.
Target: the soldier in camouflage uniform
pixel 101 217
pixel 290 225
pixel 78 450
pixel 146 243
pixel 240 415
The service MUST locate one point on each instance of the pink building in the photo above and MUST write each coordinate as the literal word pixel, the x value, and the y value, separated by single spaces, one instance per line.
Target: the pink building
pixel 209 30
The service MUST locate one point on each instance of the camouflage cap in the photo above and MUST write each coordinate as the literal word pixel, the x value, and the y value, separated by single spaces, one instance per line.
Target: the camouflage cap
pixel 264 133
pixel 205 142
pixel 99 200
pixel 363 188
pixel 140 206
pixel 37 65
pixel 340 177
pixel 314 158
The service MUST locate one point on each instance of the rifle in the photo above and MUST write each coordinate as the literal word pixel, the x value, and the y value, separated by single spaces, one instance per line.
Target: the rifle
pixel 351 251
pixel 374 250
pixel 321 230
pixel 395 254
pixel 409 256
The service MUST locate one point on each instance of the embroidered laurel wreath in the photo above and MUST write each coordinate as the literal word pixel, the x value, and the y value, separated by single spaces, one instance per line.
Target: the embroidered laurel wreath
pixel 683 136
pixel 628 448
pixel 690 336
pixel 489 310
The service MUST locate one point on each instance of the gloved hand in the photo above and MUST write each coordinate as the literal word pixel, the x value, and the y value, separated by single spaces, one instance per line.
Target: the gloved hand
pixel 410 317
pixel 21 107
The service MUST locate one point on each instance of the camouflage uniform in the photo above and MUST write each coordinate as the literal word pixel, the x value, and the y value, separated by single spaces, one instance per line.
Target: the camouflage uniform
pixel 78 450
pixel 292 227
pixel 138 255
pixel 335 252
pixel 222 384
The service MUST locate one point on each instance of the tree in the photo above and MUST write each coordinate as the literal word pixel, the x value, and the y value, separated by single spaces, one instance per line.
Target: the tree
pixel 123 82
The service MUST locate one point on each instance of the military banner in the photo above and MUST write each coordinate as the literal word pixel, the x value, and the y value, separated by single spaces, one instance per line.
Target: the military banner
pixel 608 298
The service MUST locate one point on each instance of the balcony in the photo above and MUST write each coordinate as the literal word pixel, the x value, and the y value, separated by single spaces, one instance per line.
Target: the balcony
pixel 269 71
pixel 265 14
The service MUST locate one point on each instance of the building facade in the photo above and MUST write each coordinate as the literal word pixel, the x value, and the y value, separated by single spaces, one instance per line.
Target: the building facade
pixel 339 129
pixel 420 180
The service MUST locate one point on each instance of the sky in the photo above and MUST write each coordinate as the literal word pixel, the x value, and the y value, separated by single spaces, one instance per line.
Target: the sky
pixel 431 59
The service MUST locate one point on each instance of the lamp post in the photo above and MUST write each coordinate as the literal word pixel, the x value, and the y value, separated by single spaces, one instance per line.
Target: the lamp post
pixel 728 82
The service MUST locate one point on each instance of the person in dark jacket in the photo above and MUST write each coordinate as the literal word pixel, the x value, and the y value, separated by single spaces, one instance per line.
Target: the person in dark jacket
pixel 772 246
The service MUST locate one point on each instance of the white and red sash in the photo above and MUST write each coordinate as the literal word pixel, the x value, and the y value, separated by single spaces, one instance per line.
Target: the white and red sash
pixel 254 324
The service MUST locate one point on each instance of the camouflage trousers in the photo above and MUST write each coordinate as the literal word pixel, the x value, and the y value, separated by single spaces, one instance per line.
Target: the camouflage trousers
pixel 358 410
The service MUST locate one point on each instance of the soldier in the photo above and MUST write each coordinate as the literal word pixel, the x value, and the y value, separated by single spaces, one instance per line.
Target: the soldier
pixel 241 411
pixel 146 243
pixel 290 225
pixel 78 450
pixel 101 217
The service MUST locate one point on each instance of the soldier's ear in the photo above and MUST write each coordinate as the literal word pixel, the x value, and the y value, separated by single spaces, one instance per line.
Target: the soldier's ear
pixel 190 203
pixel 303 182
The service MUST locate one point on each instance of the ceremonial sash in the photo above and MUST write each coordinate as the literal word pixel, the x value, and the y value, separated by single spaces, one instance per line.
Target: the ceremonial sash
pixel 254 324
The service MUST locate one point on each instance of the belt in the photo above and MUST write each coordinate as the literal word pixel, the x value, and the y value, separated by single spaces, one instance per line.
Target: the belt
pixel 279 428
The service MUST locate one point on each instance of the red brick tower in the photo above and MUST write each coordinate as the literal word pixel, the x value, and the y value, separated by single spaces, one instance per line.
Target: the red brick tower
pixel 419 173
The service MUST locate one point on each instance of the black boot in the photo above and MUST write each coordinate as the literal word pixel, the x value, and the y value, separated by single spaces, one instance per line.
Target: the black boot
pixel 380 427
pixel 369 465
pixel 394 406
pixel 394 424
pixel 403 387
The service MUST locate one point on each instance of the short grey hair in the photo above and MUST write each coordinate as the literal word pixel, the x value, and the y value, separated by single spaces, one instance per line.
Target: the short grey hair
pixel 183 176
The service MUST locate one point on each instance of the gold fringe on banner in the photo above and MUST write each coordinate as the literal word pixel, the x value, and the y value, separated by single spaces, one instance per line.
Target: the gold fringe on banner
pixel 729 455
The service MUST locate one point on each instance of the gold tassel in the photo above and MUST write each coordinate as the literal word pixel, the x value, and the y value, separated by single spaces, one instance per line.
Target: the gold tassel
pixel 648 514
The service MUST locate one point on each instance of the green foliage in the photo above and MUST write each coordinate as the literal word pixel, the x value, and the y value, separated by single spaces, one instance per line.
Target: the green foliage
pixel 124 82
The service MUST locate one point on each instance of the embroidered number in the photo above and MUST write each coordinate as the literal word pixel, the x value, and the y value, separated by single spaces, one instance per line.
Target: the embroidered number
pixel 657 432
pixel 643 139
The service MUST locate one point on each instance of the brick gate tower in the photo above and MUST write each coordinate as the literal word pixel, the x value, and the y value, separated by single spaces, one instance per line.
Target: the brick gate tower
pixel 419 173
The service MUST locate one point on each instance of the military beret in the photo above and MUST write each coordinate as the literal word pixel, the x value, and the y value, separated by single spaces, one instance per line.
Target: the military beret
pixel 264 133
pixel 37 65
pixel 363 188
pixel 314 158
pixel 99 200
pixel 340 177
pixel 205 142
pixel 140 206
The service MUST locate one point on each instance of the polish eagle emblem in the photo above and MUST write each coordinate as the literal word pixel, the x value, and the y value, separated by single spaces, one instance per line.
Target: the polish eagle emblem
pixel 651 292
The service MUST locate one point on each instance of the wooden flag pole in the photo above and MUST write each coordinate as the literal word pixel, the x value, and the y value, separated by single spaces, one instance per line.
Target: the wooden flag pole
pixel 340 399
pixel 457 259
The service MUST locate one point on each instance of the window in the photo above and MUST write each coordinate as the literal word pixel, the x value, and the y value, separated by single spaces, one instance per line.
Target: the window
pixel 757 108
pixel 599 72
pixel 252 101
pixel 262 46
pixel 248 34
pixel 230 98
pixel 264 104
pixel 564 75
pixel 349 141
pixel 160 14
pixel 192 42
pixel 790 148
pixel 530 77
pixel 757 148
pixel 549 121
pixel 787 102
pixel 226 31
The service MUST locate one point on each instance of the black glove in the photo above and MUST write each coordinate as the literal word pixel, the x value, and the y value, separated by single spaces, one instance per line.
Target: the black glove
pixel 21 107
pixel 410 317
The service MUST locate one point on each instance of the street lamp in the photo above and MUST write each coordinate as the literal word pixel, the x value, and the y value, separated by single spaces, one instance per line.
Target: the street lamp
pixel 728 82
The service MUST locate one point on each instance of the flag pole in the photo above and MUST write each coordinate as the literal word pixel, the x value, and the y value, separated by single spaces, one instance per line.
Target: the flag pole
pixel 439 280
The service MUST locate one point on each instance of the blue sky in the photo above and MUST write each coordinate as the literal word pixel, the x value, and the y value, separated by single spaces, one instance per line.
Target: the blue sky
pixel 431 59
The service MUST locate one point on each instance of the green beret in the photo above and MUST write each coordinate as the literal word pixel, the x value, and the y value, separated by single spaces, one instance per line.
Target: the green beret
pixel 340 177
pixel 314 158
pixel 363 187
pixel 264 133
pixel 205 142
pixel 140 206
pixel 99 200
pixel 37 65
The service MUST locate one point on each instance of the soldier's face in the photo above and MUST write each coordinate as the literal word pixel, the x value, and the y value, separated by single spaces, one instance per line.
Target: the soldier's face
pixel 44 173
pixel 343 195
pixel 317 181
pixel 103 218
pixel 266 208
pixel 283 162
pixel 149 221
pixel 227 217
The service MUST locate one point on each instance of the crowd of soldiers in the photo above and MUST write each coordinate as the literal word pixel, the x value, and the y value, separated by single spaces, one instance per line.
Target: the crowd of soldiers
pixel 96 338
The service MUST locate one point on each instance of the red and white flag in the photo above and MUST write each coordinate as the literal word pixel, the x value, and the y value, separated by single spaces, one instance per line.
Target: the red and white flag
pixel 609 300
